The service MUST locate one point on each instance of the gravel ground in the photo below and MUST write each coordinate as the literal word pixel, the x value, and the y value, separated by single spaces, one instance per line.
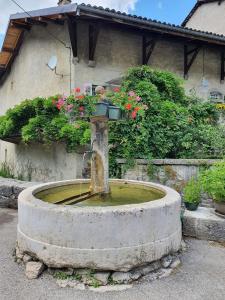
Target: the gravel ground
pixel 201 276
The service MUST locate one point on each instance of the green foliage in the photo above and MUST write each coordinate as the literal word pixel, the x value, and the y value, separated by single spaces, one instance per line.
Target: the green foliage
pixel 173 126
pixel 6 171
pixel 192 192
pixel 39 120
pixel 168 125
pixel 213 181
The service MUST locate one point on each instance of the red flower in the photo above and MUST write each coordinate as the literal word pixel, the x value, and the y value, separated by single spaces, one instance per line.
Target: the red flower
pixel 134 115
pixel 128 106
pixel 77 90
pixel 80 97
pixel 137 108
pixel 81 108
pixel 116 90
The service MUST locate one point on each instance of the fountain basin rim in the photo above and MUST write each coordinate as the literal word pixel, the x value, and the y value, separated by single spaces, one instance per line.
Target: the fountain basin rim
pixel 28 195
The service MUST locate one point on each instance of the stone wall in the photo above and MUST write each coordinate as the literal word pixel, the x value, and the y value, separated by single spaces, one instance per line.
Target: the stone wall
pixel 37 162
pixel 174 173
pixel 10 190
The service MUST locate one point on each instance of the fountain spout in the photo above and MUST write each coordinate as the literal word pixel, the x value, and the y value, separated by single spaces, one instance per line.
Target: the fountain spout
pixel 99 162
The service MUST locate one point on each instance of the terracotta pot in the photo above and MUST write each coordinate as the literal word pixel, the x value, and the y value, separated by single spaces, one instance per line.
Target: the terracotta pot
pixel 220 207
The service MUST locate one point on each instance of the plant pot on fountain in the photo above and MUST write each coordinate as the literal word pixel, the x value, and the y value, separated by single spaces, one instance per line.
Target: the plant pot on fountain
pixel 192 195
pixel 115 113
pixel 101 109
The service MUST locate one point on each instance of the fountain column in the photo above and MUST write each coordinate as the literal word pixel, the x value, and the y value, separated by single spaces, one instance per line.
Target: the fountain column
pixel 100 157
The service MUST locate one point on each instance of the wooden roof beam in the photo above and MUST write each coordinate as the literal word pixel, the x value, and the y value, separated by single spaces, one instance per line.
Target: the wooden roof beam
pixel 20 25
pixel 148 46
pixel 6 49
pixel 72 26
pixel 32 21
pixel 189 58
pixel 51 20
pixel 93 38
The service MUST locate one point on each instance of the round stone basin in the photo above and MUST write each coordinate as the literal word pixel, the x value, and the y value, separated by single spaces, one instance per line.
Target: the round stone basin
pixel 140 223
pixel 121 194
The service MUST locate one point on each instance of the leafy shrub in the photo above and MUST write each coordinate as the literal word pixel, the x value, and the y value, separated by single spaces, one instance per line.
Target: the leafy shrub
pixel 192 192
pixel 213 181
pixel 171 125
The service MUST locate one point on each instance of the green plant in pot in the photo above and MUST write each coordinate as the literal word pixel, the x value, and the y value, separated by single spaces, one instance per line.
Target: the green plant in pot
pixel 213 182
pixel 192 194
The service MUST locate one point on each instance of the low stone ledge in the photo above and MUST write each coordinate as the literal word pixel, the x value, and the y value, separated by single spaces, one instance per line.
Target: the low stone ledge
pixel 10 190
pixel 204 224
pixel 181 162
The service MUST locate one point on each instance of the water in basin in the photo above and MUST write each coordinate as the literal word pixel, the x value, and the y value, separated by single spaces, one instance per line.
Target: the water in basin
pixel 121 194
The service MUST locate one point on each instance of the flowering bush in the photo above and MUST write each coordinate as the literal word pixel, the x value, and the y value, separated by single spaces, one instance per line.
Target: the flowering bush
pixel 129 102
pixel 79 105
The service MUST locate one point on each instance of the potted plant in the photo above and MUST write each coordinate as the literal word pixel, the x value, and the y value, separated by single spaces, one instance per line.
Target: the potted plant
pixel 101 109
pixel 192 195
pixel 213 182
pixel 115 113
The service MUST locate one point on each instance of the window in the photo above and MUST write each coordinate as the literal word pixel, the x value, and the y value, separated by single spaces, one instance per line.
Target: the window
pixel 216 97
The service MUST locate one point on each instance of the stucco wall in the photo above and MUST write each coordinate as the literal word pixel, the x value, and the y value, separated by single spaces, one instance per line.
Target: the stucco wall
pixel 41 163
pixel 116 51
pixel 29 76
pixel 209 17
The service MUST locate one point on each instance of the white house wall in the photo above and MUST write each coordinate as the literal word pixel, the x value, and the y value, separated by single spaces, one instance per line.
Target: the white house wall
pixel 209 17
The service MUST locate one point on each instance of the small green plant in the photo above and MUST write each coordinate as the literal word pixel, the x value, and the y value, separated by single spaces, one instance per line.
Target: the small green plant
pixel 213 182
pixel 61 275
pixel 6 170
pixel 192 192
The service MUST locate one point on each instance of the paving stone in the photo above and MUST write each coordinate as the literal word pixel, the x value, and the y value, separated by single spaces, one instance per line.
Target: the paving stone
pixel 68 271
pixel 176 263
pixel 27 258
pixel 121 277
pixel 135 275
pixel 19 253
pixel 6 191
pixel 71 283
pixel 150 268
pixel 102 277
pixel 166 261
pixel 165 273
pixel 34 269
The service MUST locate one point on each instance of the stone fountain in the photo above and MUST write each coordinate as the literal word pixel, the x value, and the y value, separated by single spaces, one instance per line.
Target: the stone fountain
pixel 99 224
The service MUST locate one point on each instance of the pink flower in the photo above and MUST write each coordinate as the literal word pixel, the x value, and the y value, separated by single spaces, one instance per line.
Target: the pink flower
pixel 134 115
pixel 138 98
pixel 60 103
pixel 131 93
pixel 69 107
